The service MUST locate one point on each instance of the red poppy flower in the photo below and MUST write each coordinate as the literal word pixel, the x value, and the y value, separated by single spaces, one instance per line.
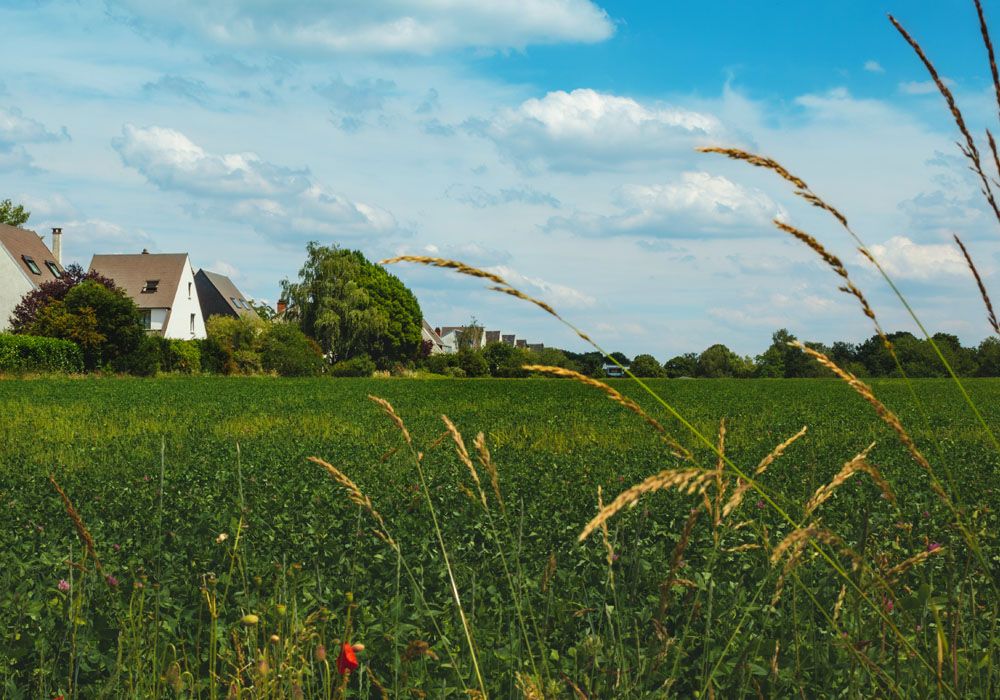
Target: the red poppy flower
pixel 347 661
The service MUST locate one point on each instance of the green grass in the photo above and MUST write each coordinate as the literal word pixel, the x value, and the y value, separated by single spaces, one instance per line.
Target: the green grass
pixel 304 546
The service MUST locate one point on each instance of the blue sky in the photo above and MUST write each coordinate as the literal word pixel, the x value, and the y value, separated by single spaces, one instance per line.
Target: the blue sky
pixel 551 140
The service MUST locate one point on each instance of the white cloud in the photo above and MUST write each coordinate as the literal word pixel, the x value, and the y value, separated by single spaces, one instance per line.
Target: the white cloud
pixel 374 26
pixel 904 259
pixel 224 268
pixel 695 204
pixel 85 237
pixel 279 202
pixel 923 87
pixel 586 130
pixel 559 295
pixel 873 66
pixel 16 130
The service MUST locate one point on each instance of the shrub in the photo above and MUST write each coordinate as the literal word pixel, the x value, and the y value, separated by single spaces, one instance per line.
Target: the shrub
pixel 144 360
pixel 473 363
pixel 182 356
pixel 439 364
pixel 235 344
pixel 456 372
pixel 30 353
pixel 287 351
pixel 360 366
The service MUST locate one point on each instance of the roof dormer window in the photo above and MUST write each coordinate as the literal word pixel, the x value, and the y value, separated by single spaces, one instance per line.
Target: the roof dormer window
pixel 53 269
pixel 151 286
pixel 32 265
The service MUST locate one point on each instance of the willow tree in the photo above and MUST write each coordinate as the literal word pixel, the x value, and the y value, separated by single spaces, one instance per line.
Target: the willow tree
pixel 353 307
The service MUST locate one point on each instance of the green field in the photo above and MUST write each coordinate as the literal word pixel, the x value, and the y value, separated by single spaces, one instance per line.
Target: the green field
pixel 234 449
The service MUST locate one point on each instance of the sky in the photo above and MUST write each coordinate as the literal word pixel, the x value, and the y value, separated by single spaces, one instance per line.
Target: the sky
pixel 551 141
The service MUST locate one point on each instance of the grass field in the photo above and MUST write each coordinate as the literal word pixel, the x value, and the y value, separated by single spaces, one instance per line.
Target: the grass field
pixel 166 616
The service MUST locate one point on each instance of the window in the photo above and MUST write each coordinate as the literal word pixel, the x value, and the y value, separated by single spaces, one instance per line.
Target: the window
pixel 244 304
pixel 53 269
pixel 147 319
pixel 32 265
pixel 236 303
pixel 189 290
pixel 151 286
pixel 192 323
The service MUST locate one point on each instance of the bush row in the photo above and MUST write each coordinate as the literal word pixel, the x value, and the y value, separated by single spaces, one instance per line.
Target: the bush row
pixel 29 353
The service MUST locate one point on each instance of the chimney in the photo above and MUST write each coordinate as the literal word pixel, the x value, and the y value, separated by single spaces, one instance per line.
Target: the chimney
pixel 57 245
pixel 282 305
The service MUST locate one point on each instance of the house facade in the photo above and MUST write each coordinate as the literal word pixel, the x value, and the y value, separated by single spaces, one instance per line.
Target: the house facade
pixel 162 285
pixel 218 296
pixel 429 335
pixel 25 264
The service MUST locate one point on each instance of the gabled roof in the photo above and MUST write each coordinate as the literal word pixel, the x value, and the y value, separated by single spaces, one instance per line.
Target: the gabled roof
pixel 132 272
pixel 218 295
pixel 21 243
pixel 431 334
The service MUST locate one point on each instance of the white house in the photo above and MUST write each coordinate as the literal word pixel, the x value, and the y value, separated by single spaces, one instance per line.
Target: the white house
pixel 25 263
pixel 162 286
pixel 428 334
pixel 449 338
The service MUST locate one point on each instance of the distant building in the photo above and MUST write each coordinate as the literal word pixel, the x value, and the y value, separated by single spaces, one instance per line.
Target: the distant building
pixel 428 334
pixel 450 335
pixel 492 337
pixel 218 296
pixel 613 370
pixel 536 346
pixel 508 339
pixel 25 264
pixel 162 286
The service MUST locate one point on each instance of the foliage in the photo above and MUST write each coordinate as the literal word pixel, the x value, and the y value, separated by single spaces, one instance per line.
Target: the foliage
pixel 719 361
pixel 104 322
pixel 473 364
pixel 285 349
pixel 33 302
pixel 358 366
pixel 234 344
pixel 182 356
pixel 470 336
pixel 682 366
pixel 145 360
pixel 295 545
pixel 13 214
pixel 352 307
pixel 646 366
pixel 264 310
pixel 28 353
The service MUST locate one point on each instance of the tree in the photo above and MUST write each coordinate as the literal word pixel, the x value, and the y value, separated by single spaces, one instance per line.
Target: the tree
pixel 13 214
pixel 353 307
pixel 719 361
pixel 234 343
pixel 470 336
pixel 505 360
pixel 646 366
pixel 685 365
pixel 104 322
pixel 263 309
pixel 285 349
pixel 54 290
pixel 988 358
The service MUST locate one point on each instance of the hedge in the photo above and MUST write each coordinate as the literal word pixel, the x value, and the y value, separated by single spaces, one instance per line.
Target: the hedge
pixel 31 353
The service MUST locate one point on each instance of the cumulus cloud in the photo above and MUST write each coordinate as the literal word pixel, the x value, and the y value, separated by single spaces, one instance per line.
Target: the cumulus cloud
pixel 372 27
pixel 586 130
pixel 873 66
pixel 922 87
pixel 87 236
pixel 283 203
pixel 904 259
pixel 16 130
pixel 695 204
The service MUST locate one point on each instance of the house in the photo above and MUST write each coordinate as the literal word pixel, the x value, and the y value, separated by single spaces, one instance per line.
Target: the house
pixel 218 296
pixel 492 337
pixel 613 370
pixel 508 339
pixel 450 334
pixel 162 286
pixel 25 263
pixel 429 335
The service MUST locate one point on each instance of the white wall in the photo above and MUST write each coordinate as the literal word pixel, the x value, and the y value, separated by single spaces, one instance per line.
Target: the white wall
pixel 185 304
pixel 13 285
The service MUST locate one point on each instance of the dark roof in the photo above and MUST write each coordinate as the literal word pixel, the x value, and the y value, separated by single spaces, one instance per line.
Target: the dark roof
pixel 131 272
pixel 21 243
pixel 218 296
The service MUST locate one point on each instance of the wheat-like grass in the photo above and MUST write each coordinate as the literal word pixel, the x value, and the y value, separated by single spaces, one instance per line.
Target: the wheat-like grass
pixel 616 396
pixel 391 412
pixel 969 150
pixel 720 484
pixel 357 497
pixel 463 455
pixel 990 315
pixel 859 463
pixel 741 490
pixel 81 528
pixel 840 602
pixel 688 481
pixel 530 687
pixel 794 545
pixel 459 267
pixel 904 566
pixel 605 537
pixel 887 416
pixel 486 460
pixel 676 558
